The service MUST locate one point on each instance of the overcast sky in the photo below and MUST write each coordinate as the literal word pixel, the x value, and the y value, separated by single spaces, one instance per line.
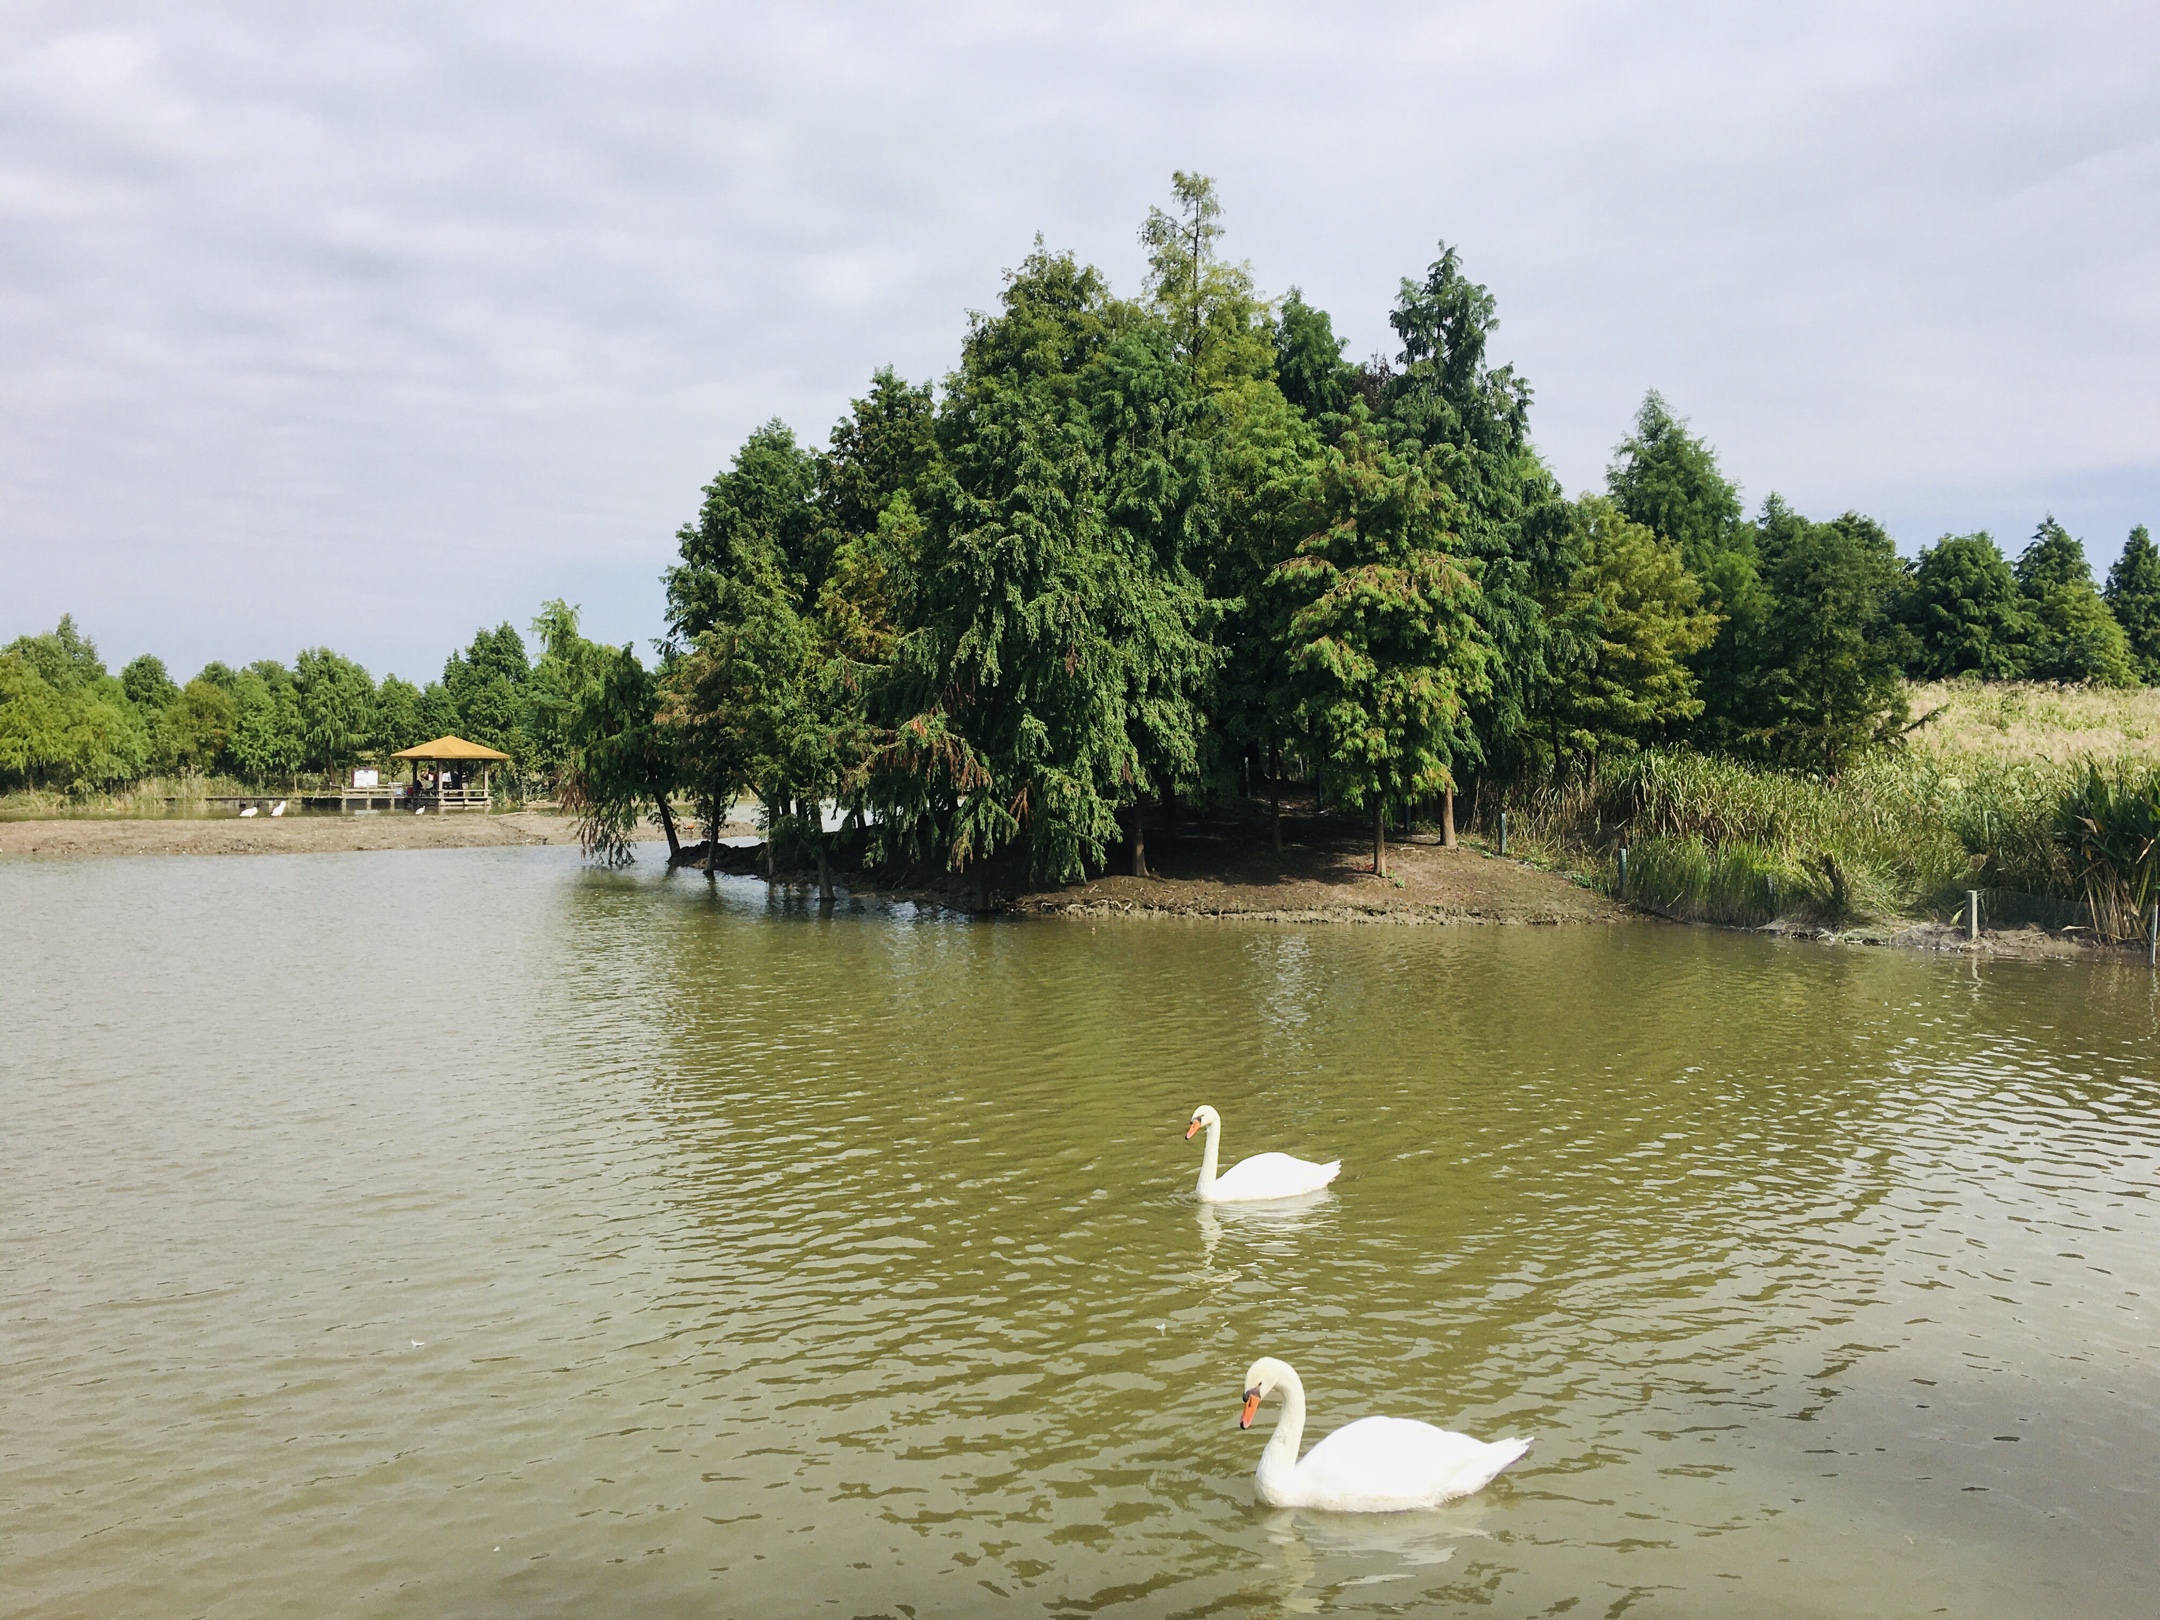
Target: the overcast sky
pixel 364 325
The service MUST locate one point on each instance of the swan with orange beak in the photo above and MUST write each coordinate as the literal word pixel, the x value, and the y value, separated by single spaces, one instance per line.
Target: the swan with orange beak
pixel 1375 1465
pixel 1261 1177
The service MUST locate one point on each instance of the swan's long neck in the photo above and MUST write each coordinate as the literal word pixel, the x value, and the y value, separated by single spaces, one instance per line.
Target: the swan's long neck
pixel 1207 1157
pixel 1279 1460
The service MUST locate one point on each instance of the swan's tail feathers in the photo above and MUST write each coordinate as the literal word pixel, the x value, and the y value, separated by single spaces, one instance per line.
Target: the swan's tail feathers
pixel 1329 1171
pixel 1505 1454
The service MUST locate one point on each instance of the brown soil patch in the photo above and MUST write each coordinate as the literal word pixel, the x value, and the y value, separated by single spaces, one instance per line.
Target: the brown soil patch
pixel 1327 876
pixel 282 835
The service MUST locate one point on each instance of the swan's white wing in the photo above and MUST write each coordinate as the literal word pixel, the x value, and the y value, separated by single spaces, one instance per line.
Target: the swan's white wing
pixel 1272 1175
pixel 1379 1464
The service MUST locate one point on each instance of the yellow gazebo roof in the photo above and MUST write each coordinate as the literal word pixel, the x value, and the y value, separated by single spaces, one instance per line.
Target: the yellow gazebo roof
pixel 450 748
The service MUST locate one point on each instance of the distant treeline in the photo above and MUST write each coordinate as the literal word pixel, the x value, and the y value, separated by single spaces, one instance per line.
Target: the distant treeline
pixel 66 723
pixel 1137 549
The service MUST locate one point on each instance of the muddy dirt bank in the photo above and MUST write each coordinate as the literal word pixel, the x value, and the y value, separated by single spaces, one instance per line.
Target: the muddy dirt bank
pixel 282 835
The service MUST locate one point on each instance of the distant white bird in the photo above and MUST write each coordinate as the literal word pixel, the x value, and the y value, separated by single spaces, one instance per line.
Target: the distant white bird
pixel 278 809
pixel 252 810
pixel 1263 1176
pixel 421 811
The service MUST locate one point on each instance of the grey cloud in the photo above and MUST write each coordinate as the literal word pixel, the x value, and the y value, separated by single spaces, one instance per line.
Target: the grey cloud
pixel 365 324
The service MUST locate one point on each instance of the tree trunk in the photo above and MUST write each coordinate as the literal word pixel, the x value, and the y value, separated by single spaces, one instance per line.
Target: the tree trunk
pixel 1379 838
pixel 1274 779
pixel 824 866
pixel 982 885
pixel 712 834
pixel 1137 842
pixel 1447 819
pixel 667 825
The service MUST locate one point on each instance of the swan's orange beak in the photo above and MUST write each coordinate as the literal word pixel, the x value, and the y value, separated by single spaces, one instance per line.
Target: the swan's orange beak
pixel 1192 1130
pixel 1252 1405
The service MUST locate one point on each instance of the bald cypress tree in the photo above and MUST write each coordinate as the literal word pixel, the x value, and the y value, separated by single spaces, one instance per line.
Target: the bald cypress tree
pixel 1965 612
pixel 1667 478
pixel 1473 419
pixel 2075 637
pixel 1387 650
pixel 2133 596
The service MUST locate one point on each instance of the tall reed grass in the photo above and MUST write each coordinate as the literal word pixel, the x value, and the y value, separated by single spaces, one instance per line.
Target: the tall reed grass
pixel 2109 828
pixel 150 798
pixel 1905 834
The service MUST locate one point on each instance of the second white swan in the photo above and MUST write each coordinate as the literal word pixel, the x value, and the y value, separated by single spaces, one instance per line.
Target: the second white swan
pixel 1375 1465
pixel 1264 1175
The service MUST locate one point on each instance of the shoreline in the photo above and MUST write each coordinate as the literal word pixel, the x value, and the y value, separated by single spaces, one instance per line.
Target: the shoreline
pixel 1323 878
pixel 119 836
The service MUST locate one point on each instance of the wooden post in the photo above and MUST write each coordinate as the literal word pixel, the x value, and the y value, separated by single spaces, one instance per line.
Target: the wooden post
pixel 1623 871
pixel 1972 916
pixel 1274 791
pixel 1447 819
pixel 1503 832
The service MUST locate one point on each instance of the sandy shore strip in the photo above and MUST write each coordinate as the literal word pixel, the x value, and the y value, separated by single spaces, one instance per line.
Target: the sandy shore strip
pixel 285 835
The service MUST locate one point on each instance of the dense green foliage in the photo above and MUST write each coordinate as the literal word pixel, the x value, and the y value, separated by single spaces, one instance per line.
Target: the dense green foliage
pixel 1133 550
pixel 2133 596
pixel 1965 613
pixel 2074 636
pixel 67 725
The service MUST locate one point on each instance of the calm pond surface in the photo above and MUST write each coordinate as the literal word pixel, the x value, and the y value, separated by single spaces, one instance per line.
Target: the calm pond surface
pixel 588 1244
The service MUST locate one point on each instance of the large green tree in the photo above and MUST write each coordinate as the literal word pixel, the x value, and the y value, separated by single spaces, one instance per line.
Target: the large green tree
pixel 2075 637
pixel 879 453
pixel 620 761
pixel 482 694
pixel 1309 365
pixel 1624 625
pixel 1473 419
pixel 1667 478
pixel 1386 647
pixel 267 745
pixel 1216 321
pixel 568 664
pixel 1004 709
pixel 1151 423
pixel 2133 596
pixel 336 702
pixel 758 518
pixel 1264 489
pixel 1965 612
pixel 1830 676
pixel 199 725
pixel 65 722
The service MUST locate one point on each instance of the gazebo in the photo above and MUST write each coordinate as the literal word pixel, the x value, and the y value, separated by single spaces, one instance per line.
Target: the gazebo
pixel 454 760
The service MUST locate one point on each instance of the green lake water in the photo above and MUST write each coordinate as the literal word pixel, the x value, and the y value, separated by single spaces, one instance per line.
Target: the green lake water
pixel 465 1233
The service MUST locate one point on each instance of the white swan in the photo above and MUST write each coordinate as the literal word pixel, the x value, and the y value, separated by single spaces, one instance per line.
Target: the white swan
pixel 278 809
pixel 1264 1175
pixel 1375 1465
pixel 252 810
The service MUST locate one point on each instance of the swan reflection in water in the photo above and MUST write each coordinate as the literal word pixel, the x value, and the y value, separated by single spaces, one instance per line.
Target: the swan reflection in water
pixel 1363 1549
pixel 1264 1226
